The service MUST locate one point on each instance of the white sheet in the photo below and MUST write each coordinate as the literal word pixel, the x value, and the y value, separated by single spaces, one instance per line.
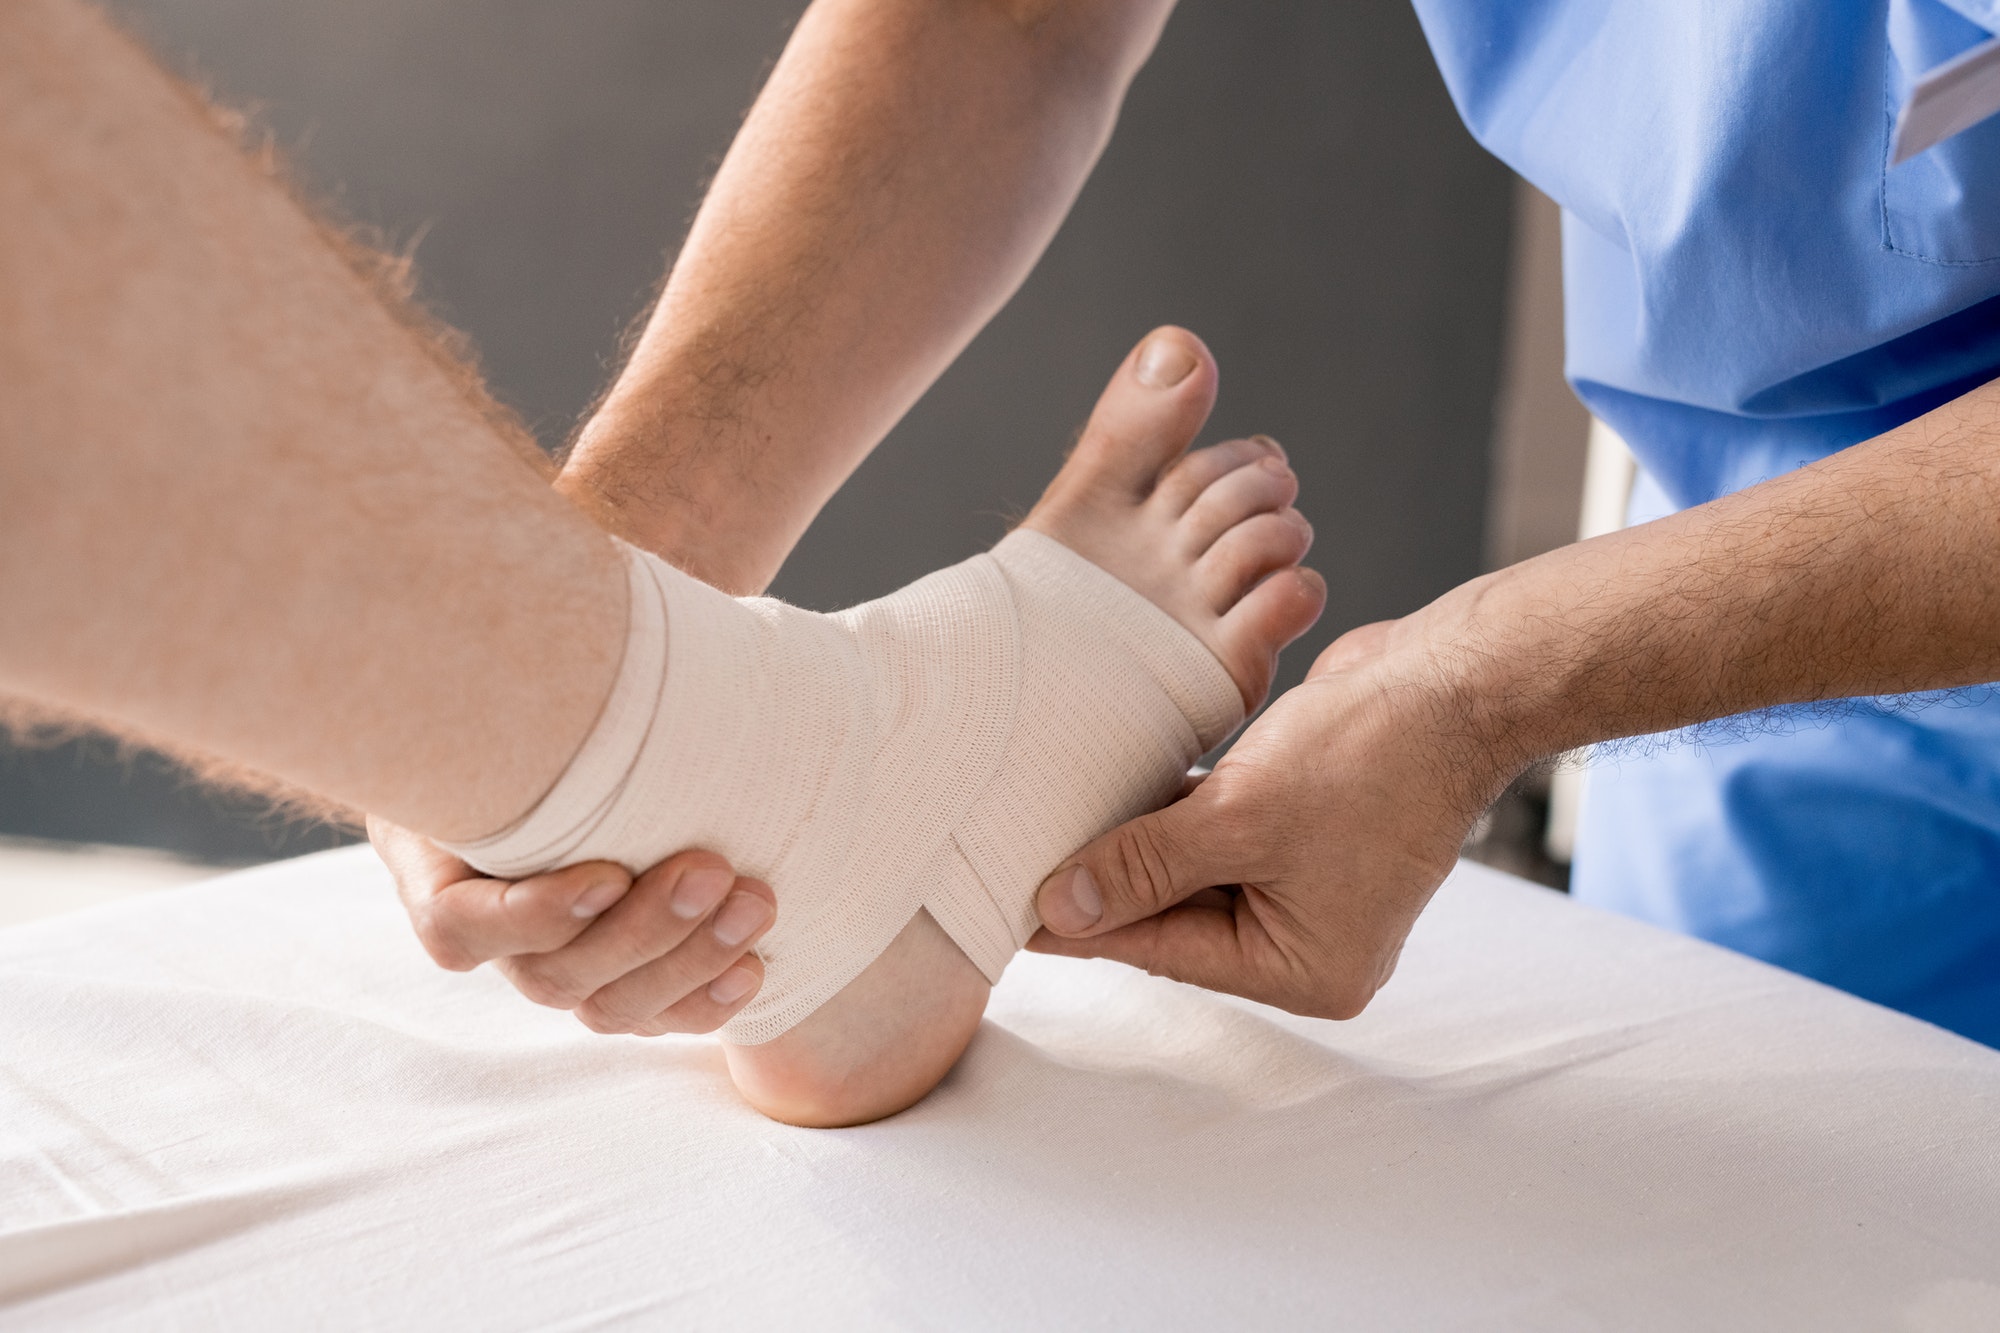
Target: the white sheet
pixel 253 1104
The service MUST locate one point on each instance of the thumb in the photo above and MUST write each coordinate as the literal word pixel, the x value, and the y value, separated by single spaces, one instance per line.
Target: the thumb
pixel 1137 869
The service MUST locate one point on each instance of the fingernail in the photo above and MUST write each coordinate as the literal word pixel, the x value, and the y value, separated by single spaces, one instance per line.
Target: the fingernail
pixel 732 985
pixel 1164 362
pixel 1070 902
pixel 1267 441
pixel 699 891
pixel 740 918
pixel 596 898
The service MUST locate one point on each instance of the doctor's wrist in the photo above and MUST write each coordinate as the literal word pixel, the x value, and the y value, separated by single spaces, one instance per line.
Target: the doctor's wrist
pixel 1506 672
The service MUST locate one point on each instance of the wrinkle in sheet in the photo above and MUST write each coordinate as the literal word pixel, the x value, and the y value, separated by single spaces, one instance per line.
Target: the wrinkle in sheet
pixel 1551 1119
pixel 37 1260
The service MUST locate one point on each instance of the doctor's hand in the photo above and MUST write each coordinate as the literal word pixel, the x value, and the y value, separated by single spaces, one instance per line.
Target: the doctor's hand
pixel 1293 873
pixel 667 951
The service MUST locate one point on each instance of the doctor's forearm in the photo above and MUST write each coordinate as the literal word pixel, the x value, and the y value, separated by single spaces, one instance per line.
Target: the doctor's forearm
pixel 899 175
pixel 1874 571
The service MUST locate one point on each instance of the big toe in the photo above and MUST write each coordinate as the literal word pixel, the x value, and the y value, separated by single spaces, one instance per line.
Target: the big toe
pixel 1148 414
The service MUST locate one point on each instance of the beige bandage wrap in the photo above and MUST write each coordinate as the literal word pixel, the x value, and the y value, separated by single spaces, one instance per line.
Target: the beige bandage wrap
pixel 942 748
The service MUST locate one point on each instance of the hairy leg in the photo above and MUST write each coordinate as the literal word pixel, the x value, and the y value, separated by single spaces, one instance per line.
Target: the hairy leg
pixel 245 509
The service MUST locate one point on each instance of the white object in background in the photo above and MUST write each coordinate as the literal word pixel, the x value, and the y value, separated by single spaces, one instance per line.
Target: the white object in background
pixel 255 1103
pixel 1608 473
pixel 1948 100
pixel 39 879
pixel 1609 470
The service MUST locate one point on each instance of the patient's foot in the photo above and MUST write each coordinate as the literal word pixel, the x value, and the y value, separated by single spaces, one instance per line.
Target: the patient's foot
pixel 1209 537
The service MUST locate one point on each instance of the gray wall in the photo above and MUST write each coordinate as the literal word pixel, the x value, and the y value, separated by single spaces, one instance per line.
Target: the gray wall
pixel 1289 180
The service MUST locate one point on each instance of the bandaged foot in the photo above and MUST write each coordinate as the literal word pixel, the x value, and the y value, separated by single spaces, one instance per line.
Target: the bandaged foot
pixel 921 762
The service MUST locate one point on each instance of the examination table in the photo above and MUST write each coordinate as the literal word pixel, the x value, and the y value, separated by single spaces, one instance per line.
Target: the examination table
pixel 253 1103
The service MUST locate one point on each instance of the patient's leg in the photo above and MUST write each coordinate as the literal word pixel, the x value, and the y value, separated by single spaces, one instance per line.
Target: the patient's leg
pixel 938 751
pixel 245 508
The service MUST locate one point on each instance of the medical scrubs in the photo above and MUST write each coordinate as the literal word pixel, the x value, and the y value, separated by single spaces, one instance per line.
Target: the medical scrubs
pixel 1749 287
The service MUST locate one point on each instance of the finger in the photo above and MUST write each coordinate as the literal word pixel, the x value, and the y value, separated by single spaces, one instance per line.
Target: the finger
pixel 418 865
pixel 1221 944
pixel 487 919
pixel 707 1008
pixel 464 919
pixel 1197 944
pixel 1147 865
pixel 667 904
pixel 635 999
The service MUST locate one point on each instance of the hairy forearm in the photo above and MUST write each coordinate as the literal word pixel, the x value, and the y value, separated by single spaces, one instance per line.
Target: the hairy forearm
pixel 246 510
pixel 899 175
pixel 1874 571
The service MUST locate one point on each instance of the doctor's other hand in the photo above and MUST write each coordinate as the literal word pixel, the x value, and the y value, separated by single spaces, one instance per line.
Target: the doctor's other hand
pixel 665 951
pixel 1293 873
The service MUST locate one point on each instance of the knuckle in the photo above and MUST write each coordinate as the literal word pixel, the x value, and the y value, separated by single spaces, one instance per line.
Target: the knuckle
pixel 643 948
pixel 648 930
pixel 687 1021
pixel 1142 856
pixel 1231 816
pixel 608 1016
pixel 388 839
pixel 542 985
pixel 441 941
pixel 597 1022
pixel 1344 998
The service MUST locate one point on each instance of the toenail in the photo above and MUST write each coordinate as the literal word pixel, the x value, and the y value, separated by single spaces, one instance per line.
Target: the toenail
pixel 1276 466
pixel 1071 903
pixel 1271 444
pixel 740 918
pixel 1165 362
pixel 732 985
pixel 699 891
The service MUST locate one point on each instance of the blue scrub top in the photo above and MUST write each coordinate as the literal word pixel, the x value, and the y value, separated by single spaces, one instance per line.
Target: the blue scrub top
pixel 1749 286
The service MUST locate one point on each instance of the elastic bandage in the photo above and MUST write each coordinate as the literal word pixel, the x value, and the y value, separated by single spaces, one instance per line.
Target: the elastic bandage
pixel 942 748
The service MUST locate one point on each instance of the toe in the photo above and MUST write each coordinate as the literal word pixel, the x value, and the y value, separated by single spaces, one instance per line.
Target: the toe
pixel 1246 554
pixel 1186 480
pixel 1263 487
pixel 1270 616
pixel 1148 415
